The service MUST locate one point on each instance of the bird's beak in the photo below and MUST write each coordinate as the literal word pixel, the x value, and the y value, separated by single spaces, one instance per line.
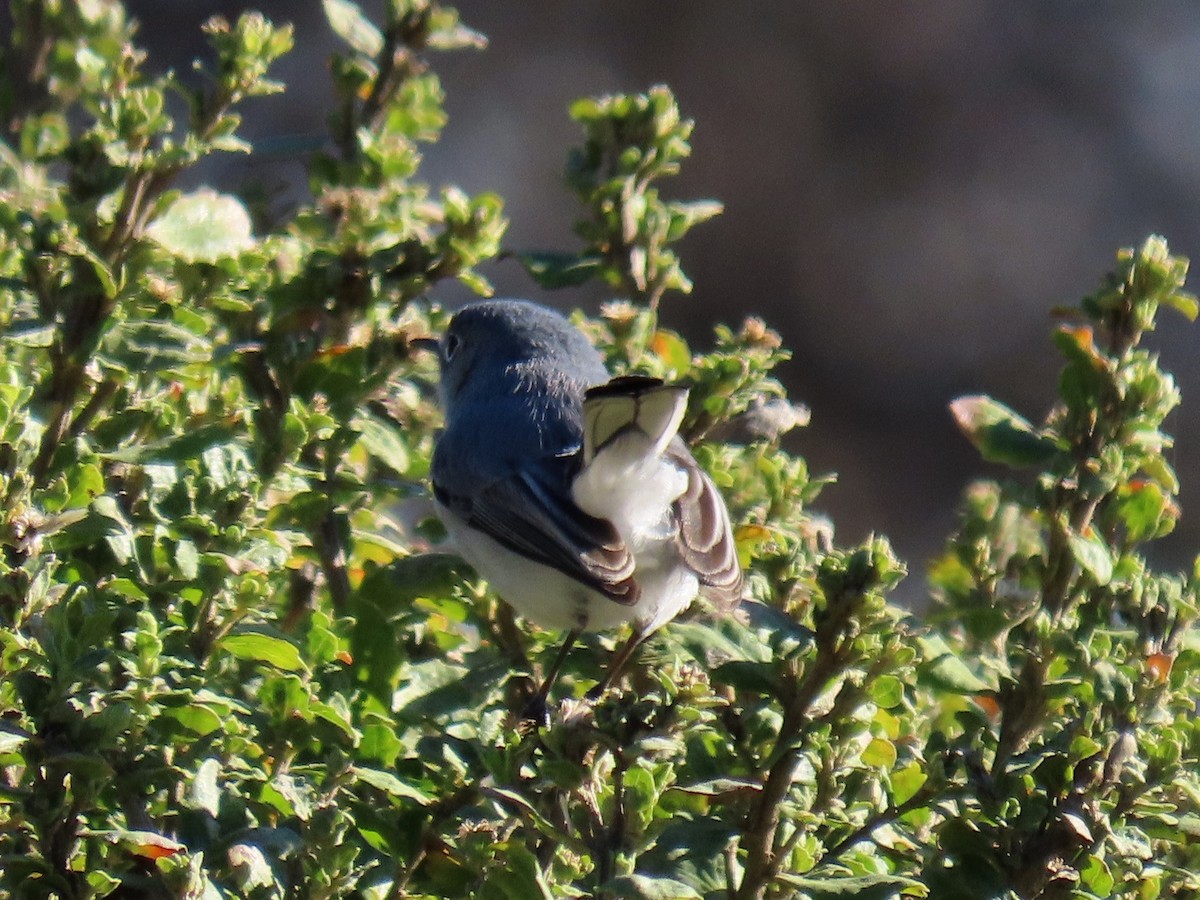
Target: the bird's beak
pixel 425 343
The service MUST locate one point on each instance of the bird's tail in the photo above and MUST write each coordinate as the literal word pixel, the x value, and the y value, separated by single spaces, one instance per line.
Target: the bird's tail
pixel 632 402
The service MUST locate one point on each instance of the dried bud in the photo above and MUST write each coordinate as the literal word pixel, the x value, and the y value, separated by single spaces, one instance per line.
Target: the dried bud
pixel 764 420
pixel 618 312
pixel 756 333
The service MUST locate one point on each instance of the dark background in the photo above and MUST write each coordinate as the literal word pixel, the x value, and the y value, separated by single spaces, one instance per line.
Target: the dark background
pixel 910 188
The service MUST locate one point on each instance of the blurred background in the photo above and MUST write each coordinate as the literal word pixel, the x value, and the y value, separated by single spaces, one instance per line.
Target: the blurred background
pixel 909 190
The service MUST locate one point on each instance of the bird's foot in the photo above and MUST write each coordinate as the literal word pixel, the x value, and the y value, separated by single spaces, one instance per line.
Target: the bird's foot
pixel 536 713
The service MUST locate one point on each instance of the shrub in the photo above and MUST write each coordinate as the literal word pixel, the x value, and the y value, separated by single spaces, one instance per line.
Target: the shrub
pixel 235 663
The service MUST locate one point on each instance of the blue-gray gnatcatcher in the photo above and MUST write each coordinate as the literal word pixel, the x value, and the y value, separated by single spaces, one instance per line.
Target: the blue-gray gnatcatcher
pixel 571 493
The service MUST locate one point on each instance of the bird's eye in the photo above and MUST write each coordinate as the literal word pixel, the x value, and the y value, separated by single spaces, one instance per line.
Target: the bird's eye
pixel 451 346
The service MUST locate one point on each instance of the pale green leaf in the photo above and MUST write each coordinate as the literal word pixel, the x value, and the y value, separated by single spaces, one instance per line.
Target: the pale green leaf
pixel 187 559
pixel 646 887
pixel 204 227
pixel 274 651
pixel 880 752
pixel 949 673
pixel 205 794
pixel 1093 555
pixel 349 23
pixel 391 785
pixel 253 869
pixel 383 442
pixel 1000 434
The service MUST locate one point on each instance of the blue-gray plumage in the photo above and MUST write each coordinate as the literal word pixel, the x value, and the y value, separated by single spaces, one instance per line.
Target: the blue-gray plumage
pixel 570 493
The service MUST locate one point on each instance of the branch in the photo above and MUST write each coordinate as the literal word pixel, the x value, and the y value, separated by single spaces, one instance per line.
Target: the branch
pixel 763 826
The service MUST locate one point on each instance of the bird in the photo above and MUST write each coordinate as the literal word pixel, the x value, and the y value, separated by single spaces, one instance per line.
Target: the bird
pixel 570 491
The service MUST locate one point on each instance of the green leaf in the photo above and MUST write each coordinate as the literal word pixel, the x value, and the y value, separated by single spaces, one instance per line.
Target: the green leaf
pixel 1145 510
pixel 684 216
pixel 187 559
pixel 127 588
pixel 336 714
pixel 747 676
pixel 949 673
pixel 713 643
pixel 30 333
pixel 1097 877
pixel 391 785
pixel 349 23
pixel 1160 470
pixel 10 742
pixel 86 484
pixel 394 589
pixel 110 521
pixel 322 645
pixel 559 270
pixel 101 884
pixel 880 752
pixel 251 865
pixel 149 844
pixel 379 741
pixel 1079 345
pixel 382 441
pixel 99 268
pixel 645 887
pixel 1000 435
pixel 888 691
pixel 145 345
pixel 672 350
pixel 447 33
pixel 515 802
pixel 204 227
pixel 1184 303
pixel 205 793
pixel 274 651
pixel 718 786
pixel 907 781
pixel 188 444
pixel 476 283
pixel 196 718
pixel 519 878
pixel 1093 555
pixel 862 887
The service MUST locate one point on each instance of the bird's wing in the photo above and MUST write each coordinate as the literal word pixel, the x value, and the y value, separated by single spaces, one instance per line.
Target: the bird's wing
pixel 530 511
pixel 705 535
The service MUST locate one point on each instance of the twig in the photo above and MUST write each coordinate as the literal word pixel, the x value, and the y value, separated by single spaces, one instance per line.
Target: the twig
pixel 865 830
pixel 100 396
pixel 764 824
pixel 327 540
pixel 612 837
pixel 400 883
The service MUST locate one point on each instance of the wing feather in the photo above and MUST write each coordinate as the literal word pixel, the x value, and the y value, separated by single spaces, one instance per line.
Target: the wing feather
pixel 531 513
pixel 705 534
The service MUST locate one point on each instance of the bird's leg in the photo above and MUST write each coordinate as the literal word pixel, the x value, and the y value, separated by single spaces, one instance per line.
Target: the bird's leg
pixel 617 664
pixel 535 709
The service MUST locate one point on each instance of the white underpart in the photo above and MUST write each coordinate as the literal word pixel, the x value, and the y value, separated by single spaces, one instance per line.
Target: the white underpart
pixel 539 593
